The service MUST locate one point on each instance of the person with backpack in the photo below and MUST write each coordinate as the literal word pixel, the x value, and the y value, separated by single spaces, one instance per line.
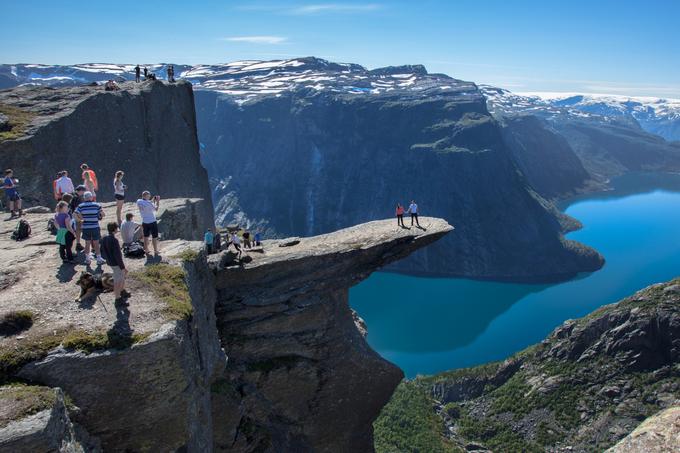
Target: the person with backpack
pixel 413 210
pixel 65 233
pixel 90 213
pixel 208 239
pixel 119 194
pixel 400 215
pixel 63 185
pixel 114 258
pixel 12 194
pixel 148 209
pixel 137 70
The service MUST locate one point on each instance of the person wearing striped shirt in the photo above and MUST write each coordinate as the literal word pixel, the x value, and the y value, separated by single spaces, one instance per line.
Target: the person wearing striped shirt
pixel 90 213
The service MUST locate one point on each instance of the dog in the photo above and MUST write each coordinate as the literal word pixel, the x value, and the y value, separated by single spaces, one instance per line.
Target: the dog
pixel 92 284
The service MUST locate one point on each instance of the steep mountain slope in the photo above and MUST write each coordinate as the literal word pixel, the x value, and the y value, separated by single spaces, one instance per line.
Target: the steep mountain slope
pixel 591 382
pixel 346 144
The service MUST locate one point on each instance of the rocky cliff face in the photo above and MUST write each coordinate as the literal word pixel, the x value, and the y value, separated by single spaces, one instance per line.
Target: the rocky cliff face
pixel 591 382
pixel 125 130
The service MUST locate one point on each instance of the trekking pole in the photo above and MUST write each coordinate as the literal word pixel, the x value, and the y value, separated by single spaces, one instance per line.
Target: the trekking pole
pixel 101 302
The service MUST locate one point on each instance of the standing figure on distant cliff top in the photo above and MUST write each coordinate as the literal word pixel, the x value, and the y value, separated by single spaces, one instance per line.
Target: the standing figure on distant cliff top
pixel 13 198
pixel 137 71
pixel 119 195
pixel 171 73
pixel 148 209
pixel 413 210
pixel 146 73
pixel 90 180
pixel 400 215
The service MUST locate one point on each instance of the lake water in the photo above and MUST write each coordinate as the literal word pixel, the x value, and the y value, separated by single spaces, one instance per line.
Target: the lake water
pixel 427 325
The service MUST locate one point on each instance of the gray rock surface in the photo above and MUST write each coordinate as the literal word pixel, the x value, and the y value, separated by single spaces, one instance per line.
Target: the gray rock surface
pixel 657 434
pixel 300 375
pixel 121 130
pixel 48 430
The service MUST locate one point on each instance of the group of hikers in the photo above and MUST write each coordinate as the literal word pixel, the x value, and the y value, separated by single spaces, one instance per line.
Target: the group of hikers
pixel 77 220
pixel 213 241
pixel 170 70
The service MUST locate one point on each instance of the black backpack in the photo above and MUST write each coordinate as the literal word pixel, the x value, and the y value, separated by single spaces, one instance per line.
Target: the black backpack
pixel 52 226
pixel 133 250
pixel 22 231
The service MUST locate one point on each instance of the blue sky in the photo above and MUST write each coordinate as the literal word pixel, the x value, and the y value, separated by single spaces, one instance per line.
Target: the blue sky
pixel 601 46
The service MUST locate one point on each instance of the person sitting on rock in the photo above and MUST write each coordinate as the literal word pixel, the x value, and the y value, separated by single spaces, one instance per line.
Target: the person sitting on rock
pixel 148 209
pixel 208 239
pixel 111 85
pixel 90 213
pixel 65 232
pixel 114 258
pixel 130 231
pixel 13 197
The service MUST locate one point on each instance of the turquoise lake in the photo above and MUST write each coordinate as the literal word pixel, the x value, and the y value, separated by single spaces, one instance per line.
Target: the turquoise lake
pixel 428 325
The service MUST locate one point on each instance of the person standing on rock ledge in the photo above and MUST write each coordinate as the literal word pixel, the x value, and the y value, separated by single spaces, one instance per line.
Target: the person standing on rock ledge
pixel 90 180
pixel 63 185
pixel 137 71
pixel 171 73
pixel 413 210
pixel 119 195
pixel 148 209
pixel 114 258
pixel 400 215
pixel 13 198
pixel 65 233
pixel 90 213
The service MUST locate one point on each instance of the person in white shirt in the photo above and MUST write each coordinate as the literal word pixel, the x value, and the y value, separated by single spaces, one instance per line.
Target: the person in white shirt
pixel 119 194
pixel 236 242
pixel 130 230
pixel 148 207
pixel 64 185
pixel 413 210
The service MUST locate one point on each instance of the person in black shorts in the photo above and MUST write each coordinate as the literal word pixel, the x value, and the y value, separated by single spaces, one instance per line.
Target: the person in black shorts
pixel 148 207
pixel 119 195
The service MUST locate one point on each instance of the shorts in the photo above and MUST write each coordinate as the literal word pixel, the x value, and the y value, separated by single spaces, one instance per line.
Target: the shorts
pixel 118 273
pixel 150 229
pixel 91 234
pixel 119 197
pixel 13 196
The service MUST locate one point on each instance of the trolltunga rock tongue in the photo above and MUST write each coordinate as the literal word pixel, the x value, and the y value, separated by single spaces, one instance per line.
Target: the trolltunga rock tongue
pixel 304 372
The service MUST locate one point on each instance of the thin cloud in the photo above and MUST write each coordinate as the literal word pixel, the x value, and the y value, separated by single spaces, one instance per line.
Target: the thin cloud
pixel 257 39
pixel 315 9
pixel 325 8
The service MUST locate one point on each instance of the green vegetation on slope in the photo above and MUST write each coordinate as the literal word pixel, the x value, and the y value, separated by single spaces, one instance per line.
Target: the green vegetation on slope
pixel 19 400
pixel 18 121
pixel 169 284
pixel 409 424
pixel 15 321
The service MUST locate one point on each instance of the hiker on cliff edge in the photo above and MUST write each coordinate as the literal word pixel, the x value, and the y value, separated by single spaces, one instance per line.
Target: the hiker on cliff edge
pixel 171 73
pixel 413 210
pixel 400 215
pixel 13 198
pixel 137 71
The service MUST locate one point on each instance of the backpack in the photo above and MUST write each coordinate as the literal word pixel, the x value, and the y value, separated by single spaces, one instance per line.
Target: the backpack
pixel 22 231
pixel 52 226
pixel 133 250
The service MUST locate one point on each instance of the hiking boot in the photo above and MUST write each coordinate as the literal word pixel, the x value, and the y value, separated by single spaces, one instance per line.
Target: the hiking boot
pixel 100 260
pixel 125 293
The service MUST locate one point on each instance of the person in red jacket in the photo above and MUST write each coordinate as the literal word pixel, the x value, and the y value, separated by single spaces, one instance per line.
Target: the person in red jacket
pixel 400 215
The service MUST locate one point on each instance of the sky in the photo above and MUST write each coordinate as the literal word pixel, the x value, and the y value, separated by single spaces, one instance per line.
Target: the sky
pixel 597 46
